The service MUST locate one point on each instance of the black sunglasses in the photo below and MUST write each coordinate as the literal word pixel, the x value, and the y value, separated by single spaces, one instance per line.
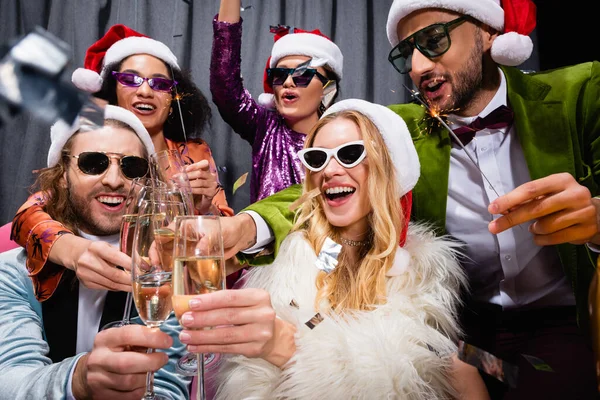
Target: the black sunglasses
pixel 348 155
pixel 96 163
pixel 133 80
pixel 277 76
pixel 431 41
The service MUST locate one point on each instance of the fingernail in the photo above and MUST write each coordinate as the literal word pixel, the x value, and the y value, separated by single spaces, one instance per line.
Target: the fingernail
pixel 195 303
pixel 184 337
pixel 187 318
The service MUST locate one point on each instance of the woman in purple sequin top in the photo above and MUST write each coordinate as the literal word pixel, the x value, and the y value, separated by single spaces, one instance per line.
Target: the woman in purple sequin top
pixel 276 135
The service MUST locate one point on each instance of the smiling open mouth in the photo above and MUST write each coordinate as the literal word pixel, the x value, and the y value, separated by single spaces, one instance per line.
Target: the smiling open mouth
pixel 111 201
pixel 337 193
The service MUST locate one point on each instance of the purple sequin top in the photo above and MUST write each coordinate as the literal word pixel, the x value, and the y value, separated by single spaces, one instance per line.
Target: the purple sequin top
pixel 275 165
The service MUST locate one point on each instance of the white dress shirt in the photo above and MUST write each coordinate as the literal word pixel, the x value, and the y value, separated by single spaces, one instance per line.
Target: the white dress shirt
pixel 89 312
pixel 508 269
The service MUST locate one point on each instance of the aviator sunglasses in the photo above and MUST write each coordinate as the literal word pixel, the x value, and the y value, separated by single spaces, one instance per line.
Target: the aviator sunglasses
pixel 348 155
pixel 431 41
pixel 96 163
pixel 277 76
pixel 133 80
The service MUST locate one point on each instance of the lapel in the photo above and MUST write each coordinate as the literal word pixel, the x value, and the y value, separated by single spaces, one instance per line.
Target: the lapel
pixel 59 315
pixel 542 126
pixel 546 138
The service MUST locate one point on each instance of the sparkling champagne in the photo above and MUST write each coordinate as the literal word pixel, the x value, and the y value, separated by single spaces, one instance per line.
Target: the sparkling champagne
pixel 152 294
pixel 164 238
pixel 127 230
pixel 193 276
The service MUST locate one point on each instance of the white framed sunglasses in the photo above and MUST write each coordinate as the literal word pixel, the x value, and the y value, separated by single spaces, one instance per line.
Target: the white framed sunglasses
pixel 348 155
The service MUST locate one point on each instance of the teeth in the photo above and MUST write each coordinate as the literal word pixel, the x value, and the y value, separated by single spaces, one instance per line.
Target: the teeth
pixel 342 189
pixel 110 199
pixel 147 107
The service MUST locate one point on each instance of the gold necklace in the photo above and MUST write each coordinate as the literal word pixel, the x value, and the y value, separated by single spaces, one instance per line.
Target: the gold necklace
pixel 355 243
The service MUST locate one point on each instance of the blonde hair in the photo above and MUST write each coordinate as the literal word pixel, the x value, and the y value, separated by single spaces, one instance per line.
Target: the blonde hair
pixel 363 285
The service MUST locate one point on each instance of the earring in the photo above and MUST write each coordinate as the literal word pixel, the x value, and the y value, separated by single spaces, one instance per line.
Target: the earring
pixel 321 109
pixel 171 111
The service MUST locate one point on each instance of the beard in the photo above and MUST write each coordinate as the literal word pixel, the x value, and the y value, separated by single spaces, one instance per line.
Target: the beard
pixel 86 220
pixel 468 81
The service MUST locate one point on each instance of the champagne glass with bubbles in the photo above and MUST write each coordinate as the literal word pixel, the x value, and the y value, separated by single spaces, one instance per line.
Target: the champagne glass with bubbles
pixel 141 189
pixel 152 266
pixel 198 268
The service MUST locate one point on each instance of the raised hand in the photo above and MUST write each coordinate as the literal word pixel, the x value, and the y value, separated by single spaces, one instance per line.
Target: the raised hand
pixel 95 263
pixel 244 323
pixel 563 211
pixel 204 183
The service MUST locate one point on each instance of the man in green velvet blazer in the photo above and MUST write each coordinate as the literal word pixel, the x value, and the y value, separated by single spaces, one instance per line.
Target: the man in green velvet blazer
pixel 554 158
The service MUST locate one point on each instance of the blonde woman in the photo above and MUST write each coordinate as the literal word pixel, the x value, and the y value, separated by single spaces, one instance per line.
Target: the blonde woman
pixel 357 304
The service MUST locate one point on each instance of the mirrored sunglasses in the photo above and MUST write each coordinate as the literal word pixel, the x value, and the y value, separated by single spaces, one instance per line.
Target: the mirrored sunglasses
pixel 301 78
pixel 96 163
pixel 133 80
pixel 431 41
pixel 348 155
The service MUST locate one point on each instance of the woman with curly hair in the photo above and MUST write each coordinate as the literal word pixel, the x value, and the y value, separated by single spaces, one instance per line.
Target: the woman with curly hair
pixel 141 74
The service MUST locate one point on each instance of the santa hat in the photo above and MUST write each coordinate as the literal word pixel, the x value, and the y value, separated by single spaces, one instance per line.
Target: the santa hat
pixel 404 156
pixel 61 132
pixel 118 43
pixel 301 43
pixel 515 19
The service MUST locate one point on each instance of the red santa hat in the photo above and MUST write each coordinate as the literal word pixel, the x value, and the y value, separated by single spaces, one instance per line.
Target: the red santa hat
pixel 118 43
pixel 301 43
pixel 514 18
pixel 61 132
pixel 404 156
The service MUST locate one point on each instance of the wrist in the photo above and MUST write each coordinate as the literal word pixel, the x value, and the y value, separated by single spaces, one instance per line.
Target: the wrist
pixel 248 227
pixel 283 343
pixel 67 249
pixel 79 386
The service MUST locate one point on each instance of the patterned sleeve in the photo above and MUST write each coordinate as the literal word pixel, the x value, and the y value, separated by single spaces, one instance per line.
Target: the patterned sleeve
pixel 235 104
pixel 195 150
pixel 36 231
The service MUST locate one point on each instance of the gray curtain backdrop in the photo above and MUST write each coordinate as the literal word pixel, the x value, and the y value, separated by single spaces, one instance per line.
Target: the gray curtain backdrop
pixel 356 26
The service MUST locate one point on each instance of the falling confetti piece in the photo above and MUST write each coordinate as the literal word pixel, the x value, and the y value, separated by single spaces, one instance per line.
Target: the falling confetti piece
pixel 239 182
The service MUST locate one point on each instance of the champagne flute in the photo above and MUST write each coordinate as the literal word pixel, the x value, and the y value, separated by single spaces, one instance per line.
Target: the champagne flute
pixel 167 166
pixel 199 268
pixel 141 189
pixel 152 259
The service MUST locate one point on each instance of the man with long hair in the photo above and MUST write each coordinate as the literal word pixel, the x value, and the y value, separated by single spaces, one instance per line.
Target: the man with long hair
pixel 53 350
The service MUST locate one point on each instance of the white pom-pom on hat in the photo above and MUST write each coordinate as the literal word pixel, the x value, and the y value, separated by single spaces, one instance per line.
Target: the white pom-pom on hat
pixel 87 80
pixel 511 49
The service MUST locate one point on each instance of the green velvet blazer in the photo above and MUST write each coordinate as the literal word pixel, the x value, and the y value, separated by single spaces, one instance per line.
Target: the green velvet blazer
pixel 557 118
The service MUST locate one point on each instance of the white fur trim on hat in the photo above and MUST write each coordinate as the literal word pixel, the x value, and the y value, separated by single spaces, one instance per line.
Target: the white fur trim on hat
pixel 487 11
pixel 138 45
pixel 61 132
pixel 87 80
pixel 401 262
pixel 395 135
pixel 508 49
pixel 310 45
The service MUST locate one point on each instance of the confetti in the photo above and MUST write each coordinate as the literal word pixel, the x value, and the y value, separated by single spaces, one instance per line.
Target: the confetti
pixel 239 182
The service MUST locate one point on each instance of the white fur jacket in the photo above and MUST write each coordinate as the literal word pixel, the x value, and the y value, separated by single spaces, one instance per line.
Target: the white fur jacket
pixel 400 350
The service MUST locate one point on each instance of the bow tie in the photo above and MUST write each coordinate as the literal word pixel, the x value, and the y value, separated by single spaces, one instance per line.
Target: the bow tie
pixel 501 117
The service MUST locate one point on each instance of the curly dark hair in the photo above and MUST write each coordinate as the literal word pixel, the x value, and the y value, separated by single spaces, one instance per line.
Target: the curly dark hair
pixel 195 108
